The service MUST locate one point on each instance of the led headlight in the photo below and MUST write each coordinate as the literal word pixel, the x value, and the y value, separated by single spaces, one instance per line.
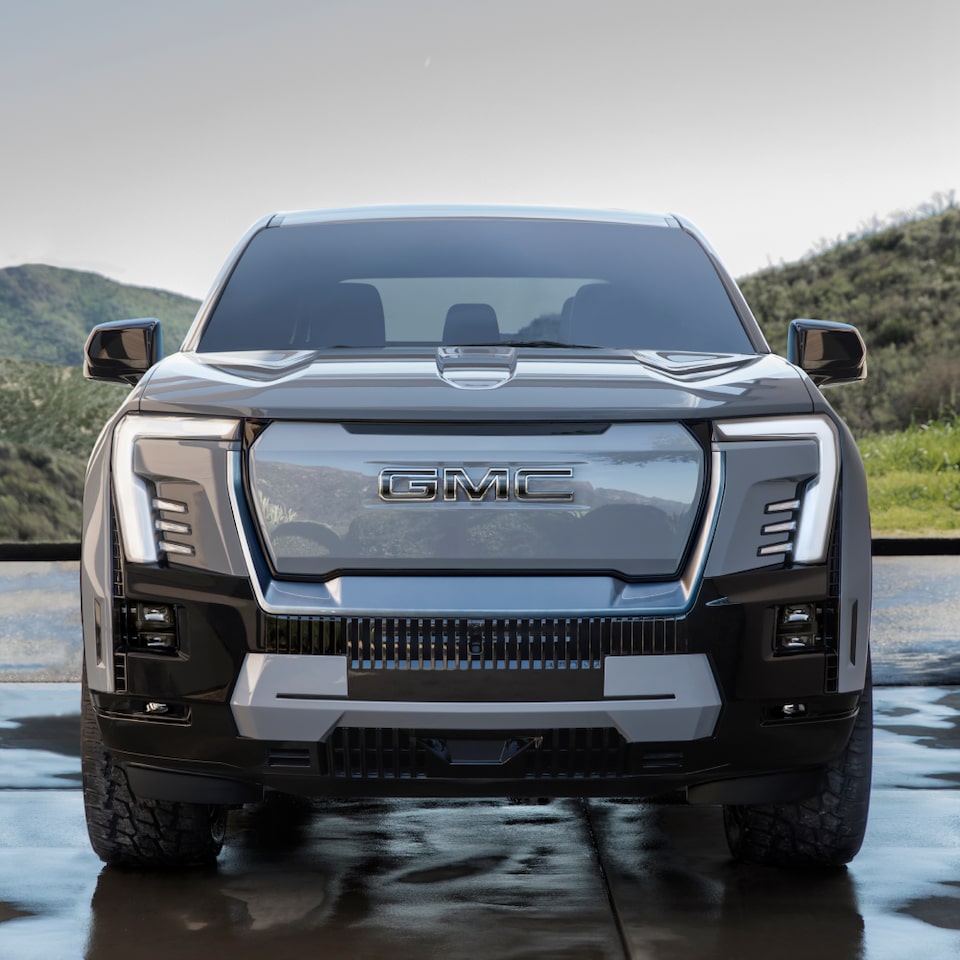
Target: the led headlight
pixel 133 494
pixel 807 528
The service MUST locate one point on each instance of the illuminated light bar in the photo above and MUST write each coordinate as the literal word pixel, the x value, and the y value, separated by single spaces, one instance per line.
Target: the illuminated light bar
pixel 783 506
pixel 169 506
pixel 169 526
pixel 773 549
pixel 788 526
pixel 182 549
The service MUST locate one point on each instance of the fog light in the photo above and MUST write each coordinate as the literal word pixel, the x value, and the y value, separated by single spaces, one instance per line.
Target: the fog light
pixel 796 641
pixel 794 709
pixel 157 709
pixel 797 630
pixel 163 642
pixel 796 614
pixel 156 615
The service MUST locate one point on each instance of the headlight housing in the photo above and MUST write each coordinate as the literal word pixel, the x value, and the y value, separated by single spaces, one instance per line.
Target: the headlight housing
pixel 804 522
pixel 150 523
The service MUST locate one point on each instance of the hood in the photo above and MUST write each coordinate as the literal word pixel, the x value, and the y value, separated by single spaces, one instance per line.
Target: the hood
pixel 474 384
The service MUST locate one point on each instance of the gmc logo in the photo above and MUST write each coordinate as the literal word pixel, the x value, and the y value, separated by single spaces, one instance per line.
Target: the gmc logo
pixel 498 483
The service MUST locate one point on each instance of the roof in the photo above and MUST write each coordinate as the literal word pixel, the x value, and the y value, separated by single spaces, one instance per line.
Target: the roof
pixel 476 211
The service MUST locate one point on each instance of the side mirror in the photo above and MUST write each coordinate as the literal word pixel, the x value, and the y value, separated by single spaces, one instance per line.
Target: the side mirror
pixel 829 352
pixel 122 351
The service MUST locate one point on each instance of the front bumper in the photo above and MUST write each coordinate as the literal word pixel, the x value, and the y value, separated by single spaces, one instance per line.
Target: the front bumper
pixel 696 707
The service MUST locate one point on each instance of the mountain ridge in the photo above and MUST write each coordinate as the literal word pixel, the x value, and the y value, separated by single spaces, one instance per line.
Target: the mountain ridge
pixel 47 312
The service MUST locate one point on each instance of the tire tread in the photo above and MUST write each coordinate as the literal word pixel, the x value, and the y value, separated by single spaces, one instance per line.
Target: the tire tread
pixel 826 829
pixel 127 831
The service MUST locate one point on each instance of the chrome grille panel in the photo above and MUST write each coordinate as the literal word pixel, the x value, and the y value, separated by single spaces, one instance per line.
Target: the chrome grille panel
pixel 461 643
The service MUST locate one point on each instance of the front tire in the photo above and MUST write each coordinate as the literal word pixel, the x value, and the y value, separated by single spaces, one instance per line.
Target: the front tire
pixel 127 831
pixel 824 830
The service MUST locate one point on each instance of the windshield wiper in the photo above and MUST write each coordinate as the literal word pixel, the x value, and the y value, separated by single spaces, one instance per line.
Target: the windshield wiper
pixel 547 343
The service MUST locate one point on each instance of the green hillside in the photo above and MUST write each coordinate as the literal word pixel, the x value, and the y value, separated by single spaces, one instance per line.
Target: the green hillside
pixel 49 415
pixel 901 288
pixel 41 494
pixel 53 408
pixel 49 419
pixel 46 312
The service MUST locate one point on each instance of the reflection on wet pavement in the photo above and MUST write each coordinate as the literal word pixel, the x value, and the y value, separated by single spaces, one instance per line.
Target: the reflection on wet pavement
pixel 477 879
pixel 680 895
pixel 377 879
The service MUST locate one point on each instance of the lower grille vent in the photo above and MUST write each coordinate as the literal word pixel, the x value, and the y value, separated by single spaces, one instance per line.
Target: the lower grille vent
pixel 593 753
pixel 289 757
pixel 504 643
pixel 120 637
pixel 120 672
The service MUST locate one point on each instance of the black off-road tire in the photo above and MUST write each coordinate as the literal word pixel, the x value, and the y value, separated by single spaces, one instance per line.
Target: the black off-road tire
pixel 126 831
pixel 824 830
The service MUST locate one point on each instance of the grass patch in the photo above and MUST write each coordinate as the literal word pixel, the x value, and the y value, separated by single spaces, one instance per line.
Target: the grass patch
pixel 913 477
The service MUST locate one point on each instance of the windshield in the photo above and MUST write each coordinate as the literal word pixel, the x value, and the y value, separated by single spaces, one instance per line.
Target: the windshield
pixel 433 282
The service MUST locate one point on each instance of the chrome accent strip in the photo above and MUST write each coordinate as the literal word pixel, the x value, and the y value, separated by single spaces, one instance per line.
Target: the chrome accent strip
pixel 816 509
pixel 698 559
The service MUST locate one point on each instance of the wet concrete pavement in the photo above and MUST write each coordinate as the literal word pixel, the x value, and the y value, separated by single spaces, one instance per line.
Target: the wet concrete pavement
pixel 485 879
pixel 915 620
pixel 40 632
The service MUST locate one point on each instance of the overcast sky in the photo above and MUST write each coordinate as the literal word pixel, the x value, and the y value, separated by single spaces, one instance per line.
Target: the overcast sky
pixel 141 139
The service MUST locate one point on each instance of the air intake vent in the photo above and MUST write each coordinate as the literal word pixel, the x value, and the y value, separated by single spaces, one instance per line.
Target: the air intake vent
pixel 461 643
pixel 290 757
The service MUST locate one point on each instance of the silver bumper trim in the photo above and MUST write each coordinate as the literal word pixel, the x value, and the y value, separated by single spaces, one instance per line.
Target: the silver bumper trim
pixel 304 698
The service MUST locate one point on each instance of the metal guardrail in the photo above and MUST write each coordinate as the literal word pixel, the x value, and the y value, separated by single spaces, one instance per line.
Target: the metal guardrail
pixel 915 546
pixel 881 547
pixel 40 551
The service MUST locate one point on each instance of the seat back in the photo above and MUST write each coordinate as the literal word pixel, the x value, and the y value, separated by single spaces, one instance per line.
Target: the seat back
pixel 605 315
pixel 346 314
pixel 471 323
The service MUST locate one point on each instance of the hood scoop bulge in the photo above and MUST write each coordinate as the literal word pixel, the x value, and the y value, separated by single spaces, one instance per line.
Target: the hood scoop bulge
pixel 685 365
pixel 476 368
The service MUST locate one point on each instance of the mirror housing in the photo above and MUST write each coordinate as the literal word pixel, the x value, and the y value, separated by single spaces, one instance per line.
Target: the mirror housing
pixel 829 352
pixel 122 351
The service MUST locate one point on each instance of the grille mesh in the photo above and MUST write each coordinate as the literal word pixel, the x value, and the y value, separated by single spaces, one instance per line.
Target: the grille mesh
pixel 500 643
pixel 120 618
pixel 829 617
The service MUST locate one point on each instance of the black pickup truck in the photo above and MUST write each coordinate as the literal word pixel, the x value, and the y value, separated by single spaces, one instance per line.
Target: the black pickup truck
pixel 475 502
